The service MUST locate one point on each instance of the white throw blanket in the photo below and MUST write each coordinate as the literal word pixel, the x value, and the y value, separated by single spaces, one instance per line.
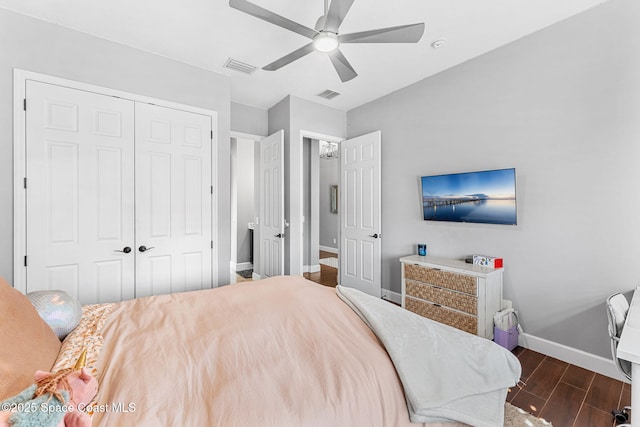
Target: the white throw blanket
pixel 447 374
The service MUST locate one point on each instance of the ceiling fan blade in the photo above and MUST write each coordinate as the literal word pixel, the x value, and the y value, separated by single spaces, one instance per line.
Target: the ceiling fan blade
pixel 273 18
pixel 337 11
pixel 411 33
pixel 287 59
pixel 342 66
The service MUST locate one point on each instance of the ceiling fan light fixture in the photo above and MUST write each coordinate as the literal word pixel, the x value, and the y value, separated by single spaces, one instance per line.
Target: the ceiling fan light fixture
pixel 325 37
pixel 326 41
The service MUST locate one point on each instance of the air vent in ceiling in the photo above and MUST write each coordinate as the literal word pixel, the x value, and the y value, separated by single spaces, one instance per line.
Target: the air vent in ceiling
pixel 328 94
pixel 239 66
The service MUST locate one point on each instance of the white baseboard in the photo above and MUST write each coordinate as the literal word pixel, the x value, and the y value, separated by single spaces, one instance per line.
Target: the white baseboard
pixel 565 353
pixel 328 249
pixel 241 266
pixel 571 355
pixel 311 268
pixel 392 296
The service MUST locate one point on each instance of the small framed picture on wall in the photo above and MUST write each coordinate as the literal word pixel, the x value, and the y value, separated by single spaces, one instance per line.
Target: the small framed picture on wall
pixel 333 199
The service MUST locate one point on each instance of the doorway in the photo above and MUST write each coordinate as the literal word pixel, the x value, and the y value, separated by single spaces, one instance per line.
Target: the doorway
pixel 243 208
pixel 359 207
pixel 264 234
pixel 320 211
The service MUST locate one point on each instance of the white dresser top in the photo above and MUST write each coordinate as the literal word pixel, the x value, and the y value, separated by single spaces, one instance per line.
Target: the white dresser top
pixel 455 265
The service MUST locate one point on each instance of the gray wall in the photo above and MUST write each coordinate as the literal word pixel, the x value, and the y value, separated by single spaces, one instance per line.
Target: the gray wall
pixel 306 201
pixel 562 106
pixel 311 117
pixel 46 48
pixel 329 175
pixel 247 119
pixel 254 121
pixel 295 116
pixel 245 211
pixel 311 202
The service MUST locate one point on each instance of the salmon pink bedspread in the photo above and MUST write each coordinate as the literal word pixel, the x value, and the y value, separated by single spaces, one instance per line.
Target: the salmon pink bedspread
pixel 281 351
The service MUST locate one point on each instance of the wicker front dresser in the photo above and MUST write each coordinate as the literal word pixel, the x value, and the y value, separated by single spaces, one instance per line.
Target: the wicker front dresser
pixel 452 292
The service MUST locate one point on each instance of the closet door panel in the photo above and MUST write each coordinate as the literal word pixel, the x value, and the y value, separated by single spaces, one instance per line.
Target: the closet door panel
pixel 157 188
pixel 79 196
pixel 173 200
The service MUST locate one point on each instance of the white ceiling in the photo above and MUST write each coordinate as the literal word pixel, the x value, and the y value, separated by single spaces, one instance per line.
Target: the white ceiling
pixel 205 33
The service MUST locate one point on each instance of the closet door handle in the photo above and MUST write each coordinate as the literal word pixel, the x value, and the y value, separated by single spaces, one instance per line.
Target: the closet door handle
pixel 124 250
pixel 143 248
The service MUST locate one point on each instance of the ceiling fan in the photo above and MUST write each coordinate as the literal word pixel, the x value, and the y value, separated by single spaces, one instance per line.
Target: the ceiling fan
pixel 326 38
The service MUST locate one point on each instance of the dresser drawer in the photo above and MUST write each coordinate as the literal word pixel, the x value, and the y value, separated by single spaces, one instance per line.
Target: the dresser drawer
pixel 444 315
pixel 443 279
pixel 459 301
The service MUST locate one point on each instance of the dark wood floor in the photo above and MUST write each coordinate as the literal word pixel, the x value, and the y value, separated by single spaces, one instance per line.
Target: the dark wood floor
pixel 327 276
pixel 564 394
pixel 567 395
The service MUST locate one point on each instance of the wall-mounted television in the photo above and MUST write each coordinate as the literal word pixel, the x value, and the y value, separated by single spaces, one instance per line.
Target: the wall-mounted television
pixel 487 197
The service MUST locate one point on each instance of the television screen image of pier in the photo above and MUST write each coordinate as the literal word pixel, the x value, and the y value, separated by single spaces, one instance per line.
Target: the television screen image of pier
pixel 481 197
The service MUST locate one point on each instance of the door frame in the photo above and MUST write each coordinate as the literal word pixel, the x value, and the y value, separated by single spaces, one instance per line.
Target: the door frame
pixel 256 201
pixel 20 78
pixel 310 135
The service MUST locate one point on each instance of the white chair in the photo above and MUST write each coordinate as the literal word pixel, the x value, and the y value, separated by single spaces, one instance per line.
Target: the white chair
pixel 617 309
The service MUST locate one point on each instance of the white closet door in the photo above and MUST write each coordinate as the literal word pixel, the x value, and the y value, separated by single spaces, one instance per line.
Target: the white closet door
pixel 173 200
pixel 80 206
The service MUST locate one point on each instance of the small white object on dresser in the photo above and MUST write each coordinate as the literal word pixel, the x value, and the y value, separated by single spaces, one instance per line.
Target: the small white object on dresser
pixel 452 292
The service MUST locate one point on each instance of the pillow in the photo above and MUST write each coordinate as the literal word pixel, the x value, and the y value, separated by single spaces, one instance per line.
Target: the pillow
pixel 58 309
pixel 86 336
pixel 27 343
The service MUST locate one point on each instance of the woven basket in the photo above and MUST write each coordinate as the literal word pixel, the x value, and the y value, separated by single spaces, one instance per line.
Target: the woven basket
pixel 444 315
pixel 452 299
pixel 444 279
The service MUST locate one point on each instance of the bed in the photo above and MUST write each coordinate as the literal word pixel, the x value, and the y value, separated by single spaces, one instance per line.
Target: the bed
pixel 277 352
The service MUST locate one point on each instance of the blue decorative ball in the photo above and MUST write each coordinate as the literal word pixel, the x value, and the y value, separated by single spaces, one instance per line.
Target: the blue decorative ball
pixel 58 309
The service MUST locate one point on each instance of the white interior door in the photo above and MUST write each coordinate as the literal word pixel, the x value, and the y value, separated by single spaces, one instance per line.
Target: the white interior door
pixel 173 200
pixel 79 193
pixel 360 224
pixel 271 220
